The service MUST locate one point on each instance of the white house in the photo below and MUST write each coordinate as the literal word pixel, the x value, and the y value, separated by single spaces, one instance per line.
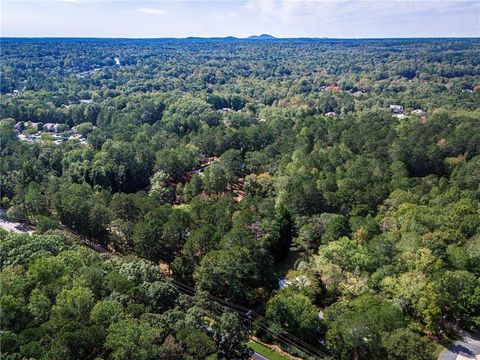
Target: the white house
pixel 419 112
pixel 48 127
pixel 397 109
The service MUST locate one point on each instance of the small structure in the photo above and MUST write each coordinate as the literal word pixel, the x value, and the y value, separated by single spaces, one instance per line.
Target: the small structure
pixel 400 116
pixel 300 281
pixel 51 127
pixel 86 101
pixel 331 113
pixel 333 88
pixel 397 109
pixel 419 112
pixel 48 127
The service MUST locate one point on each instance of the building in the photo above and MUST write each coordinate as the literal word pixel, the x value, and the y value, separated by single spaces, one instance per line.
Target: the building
pixel 331 113
pixel 51 127
pixel 419 112
pixel 400 116
pixel 48 127
pixel 397 109
pixel 333 88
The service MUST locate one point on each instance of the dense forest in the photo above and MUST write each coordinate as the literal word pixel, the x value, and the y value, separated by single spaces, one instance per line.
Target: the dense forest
pixel 322 196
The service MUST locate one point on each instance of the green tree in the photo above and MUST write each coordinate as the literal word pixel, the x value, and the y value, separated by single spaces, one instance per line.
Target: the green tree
pixel 106 312
pixel 39 306
pixel 403 344
pixel 197 344
pixel 132 339
pixel 74 304
pixel 460 296
pixel 295 313
pixel 354 330
pixel 234 274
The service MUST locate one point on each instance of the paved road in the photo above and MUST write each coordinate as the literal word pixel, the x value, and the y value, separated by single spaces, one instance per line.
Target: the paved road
pixel 257 356
pixel 468 348
pixel 13 226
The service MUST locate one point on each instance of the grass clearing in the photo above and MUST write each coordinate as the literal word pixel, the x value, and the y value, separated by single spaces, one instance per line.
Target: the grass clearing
pixel 265 351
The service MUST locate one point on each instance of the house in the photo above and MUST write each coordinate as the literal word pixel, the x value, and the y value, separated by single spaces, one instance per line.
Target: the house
pixel 419 112
pixel 333 88
pixel 400 116
pixel 397 109
pixel 86 101
pixel 49 127
pixel 331 113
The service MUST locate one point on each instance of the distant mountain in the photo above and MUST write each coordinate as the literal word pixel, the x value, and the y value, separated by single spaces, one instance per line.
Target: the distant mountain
pixel 261 37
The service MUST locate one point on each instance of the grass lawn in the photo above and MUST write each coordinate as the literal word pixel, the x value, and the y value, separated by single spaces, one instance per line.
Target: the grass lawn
pixel 266 352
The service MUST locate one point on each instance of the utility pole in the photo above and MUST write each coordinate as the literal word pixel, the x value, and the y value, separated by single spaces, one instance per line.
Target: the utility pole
pixel 249 321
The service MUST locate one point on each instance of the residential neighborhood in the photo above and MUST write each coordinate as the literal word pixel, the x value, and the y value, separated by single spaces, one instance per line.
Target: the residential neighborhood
pixel 56 133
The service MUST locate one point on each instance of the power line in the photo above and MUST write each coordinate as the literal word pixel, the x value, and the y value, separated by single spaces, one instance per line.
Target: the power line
pixel 284 337
pixel 281 338
pixel 257 315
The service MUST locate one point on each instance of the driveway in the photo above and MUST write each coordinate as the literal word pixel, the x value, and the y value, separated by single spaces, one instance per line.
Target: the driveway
pixel 467 348
pixel 12 227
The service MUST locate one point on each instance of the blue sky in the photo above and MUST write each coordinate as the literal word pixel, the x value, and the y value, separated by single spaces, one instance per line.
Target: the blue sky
pixel 281 18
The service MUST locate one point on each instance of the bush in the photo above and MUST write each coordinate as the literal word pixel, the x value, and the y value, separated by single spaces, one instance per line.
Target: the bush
pixel 44 223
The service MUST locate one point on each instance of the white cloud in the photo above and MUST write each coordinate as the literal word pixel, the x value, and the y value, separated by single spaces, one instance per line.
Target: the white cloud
pixel 223 15
pixel 319 14
pixel 152 11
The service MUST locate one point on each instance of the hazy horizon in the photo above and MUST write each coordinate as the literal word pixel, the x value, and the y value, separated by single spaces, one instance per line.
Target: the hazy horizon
pixel 335 19
pixel 237 38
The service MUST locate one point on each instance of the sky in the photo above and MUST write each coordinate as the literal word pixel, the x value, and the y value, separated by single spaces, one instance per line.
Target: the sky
pixel 241 18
